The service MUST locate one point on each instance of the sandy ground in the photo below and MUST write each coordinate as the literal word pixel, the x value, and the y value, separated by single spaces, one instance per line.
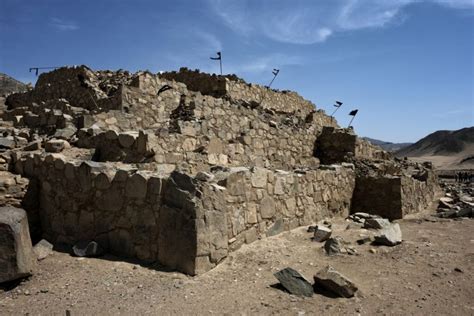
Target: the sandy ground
pixel 430 273
pixel 451 162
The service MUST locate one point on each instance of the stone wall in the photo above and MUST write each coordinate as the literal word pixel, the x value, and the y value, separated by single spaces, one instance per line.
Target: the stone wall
pixel 119 208
pixel 239 91
pixel 203 131
pixel 187 223
pixel 225 133
pixel 61 83
pixel 366 149
pixel 261 202
pixel 198 130
pixel 418 192
pixel 391 196
pixel 336 145
pixel 128 147
pixel 379 195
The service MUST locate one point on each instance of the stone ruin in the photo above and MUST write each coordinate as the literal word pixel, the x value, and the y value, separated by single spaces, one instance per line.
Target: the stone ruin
pixel 182 168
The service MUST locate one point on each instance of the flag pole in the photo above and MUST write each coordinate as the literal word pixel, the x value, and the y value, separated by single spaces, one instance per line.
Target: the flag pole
pixel 275 74
pixel 220 62
pixel 337 105
pixel 351 121
pixel 337 108
pixel 353 113
pixel 219 58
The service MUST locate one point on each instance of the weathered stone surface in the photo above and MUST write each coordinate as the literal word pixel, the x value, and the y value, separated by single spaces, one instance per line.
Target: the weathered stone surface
pixel 35 145
pixel 276 228
pixel 267 207
pixel 330 279
pixel 334 246
pixel 56 145
pixel 204 176
pixel 259 177
pixel 390 235
pixel 321 233
pixel 43 249
pixel 7 142
pixel 65 133
pixel 446 202
pixel 376 223
pixel 365 240
pixel 16 252
pixel 127 139
pixel 294 282
pixel 136 186
pixel 87 249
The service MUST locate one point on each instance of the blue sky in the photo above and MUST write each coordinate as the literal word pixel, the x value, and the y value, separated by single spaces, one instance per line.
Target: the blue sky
pixel 407 65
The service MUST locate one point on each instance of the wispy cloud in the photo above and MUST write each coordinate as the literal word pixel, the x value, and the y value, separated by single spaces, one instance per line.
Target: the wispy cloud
pixel 208 40
pixel 63 25
pixel 309 21
pixel 258 65
pixel 455 112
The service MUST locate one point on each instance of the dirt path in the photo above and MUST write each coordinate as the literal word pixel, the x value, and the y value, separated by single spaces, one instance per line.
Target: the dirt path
pixel 430 273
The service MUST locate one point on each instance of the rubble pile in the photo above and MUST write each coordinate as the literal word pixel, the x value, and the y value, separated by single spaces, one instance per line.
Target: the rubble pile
pixel 458 201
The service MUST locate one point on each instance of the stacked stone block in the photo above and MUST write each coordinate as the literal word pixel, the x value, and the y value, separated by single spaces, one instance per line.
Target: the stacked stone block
pixel 185 223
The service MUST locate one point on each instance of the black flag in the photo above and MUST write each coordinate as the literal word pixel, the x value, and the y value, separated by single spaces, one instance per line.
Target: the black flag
pixel 275 71
pixel 353 112
pixel 338 104
pixel 219 56
pixel 35 69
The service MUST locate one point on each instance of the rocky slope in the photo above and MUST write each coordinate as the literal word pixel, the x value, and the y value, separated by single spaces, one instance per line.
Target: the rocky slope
pixel 388 146
pixel 10 85
pixel 446 149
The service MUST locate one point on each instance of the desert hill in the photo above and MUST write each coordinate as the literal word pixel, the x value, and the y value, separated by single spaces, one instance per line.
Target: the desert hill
pixel 388 146
pixel 446 149
pixel 10 85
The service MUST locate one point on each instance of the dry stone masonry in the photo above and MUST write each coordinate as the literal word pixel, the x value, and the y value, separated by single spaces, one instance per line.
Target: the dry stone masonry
pixel 182 168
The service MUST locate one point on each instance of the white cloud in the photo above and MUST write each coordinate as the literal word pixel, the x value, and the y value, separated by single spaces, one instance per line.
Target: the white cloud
pixel 63 25
pixel 309 21
pixel 264 64
pixel 208 40
pixel 457 4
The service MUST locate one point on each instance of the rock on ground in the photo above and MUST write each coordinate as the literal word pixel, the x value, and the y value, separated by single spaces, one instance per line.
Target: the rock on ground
pixel 376 223
pixel 330 279
pixel 389 235
pixel 334 246
pixel 321 233
pixel 16 252
pixel 56 145
pixel 294 282
pixel 43 249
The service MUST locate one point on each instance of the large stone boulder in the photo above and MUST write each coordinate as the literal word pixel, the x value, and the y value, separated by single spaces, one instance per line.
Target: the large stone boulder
pixel 321 233
pixel 16 252
pixel 389 236
pixel 330 279
pixel 294 282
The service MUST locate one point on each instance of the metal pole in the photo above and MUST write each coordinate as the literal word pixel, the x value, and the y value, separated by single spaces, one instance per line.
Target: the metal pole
pixel 220 63
pixel 337 108
pixel 275 74
pixel 37 69
pixel 353 117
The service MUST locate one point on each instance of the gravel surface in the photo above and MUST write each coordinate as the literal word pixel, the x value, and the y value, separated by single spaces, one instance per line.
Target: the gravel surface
pixel 430 273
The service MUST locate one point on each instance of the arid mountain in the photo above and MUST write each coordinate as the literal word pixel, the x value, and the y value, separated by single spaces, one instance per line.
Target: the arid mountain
pixel 10 85
pixel 446 149
pixel 387 145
